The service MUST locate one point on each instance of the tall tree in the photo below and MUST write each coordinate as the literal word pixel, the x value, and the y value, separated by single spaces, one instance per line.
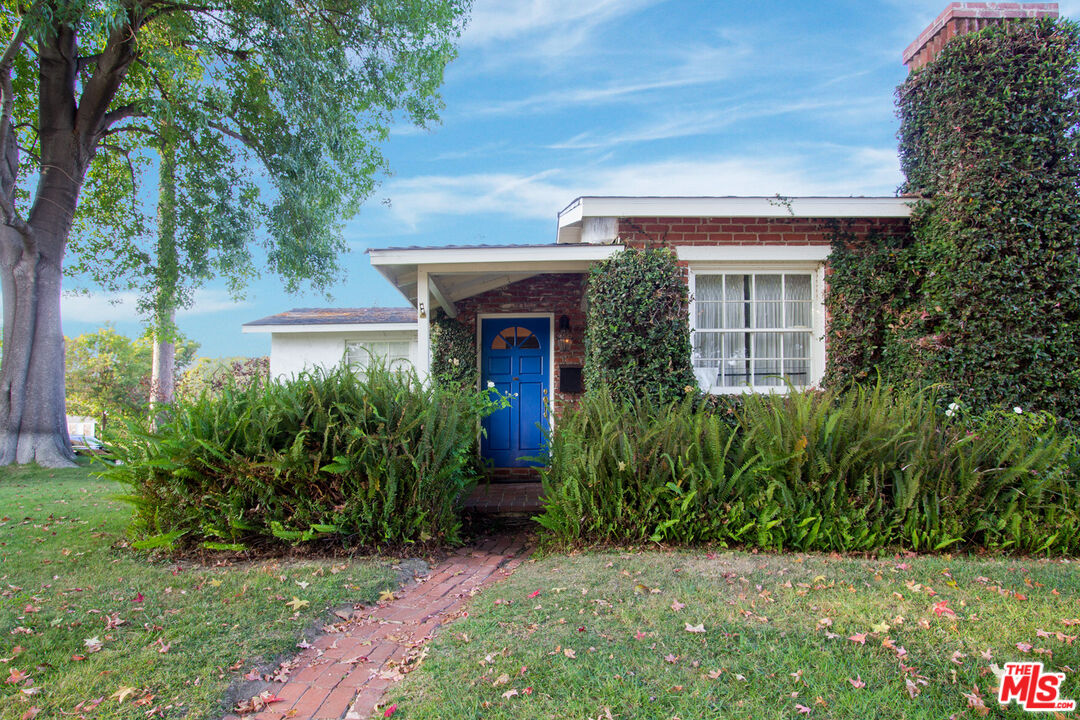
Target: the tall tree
pixel 302 90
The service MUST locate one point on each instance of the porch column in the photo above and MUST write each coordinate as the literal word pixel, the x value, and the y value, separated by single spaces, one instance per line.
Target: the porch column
pixel 423 325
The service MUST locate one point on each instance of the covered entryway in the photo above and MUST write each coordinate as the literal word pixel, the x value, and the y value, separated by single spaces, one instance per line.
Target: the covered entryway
pixel 515 361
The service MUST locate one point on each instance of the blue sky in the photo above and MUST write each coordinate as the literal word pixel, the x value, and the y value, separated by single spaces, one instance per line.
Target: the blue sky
pixel 553 99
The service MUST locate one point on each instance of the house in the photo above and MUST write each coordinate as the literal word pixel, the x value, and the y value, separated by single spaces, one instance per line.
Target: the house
pixel 755 268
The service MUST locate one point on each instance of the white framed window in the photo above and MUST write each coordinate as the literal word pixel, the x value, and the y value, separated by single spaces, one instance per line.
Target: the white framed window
pixel 756 329
pixel 361 353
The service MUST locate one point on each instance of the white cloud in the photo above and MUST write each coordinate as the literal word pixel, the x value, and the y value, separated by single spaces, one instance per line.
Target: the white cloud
pixel 564 24
pixel 668 68
pixel 123 306
pixel 680 122
pixel 847 171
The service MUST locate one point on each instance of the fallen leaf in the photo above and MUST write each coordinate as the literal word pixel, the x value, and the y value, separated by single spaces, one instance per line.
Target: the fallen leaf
pixel 386 595
pixel 533 594
pixel 569 652
pixel 695 628
pixel 123 694
pixel 671 658
pixel 1024 647
pixel 501 680
pixel 390 710
pixel 296 603
pixel 857 683
pixel 858 638
pixel 677 606
pixel 509 694
pixel 912 689
pixel 802 709
pixel 881 627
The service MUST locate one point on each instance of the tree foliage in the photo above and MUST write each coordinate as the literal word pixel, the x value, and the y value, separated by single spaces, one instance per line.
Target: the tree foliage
pixel 637 332
pixel 109 373
pixel 985 300
pixel 274 111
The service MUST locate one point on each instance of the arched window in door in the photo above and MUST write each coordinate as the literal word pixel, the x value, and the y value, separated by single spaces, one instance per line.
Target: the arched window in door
pixel 515 337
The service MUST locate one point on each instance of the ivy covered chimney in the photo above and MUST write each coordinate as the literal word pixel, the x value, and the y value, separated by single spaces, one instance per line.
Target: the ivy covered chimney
pixel 965 17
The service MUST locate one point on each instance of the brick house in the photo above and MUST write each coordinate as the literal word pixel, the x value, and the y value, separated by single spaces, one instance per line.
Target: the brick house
pixel 755 268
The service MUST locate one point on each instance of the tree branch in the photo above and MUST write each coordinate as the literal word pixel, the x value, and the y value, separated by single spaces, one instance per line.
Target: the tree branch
pixel 8 146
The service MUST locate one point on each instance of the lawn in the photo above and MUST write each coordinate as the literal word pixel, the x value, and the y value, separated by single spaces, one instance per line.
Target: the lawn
pixel 707 635
pixel 89 626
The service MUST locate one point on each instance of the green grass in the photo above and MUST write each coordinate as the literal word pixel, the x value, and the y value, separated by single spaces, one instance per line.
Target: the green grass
pixel 66 575
pixel 764 619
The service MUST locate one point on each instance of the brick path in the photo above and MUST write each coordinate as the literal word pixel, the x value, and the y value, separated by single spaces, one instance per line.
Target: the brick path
pixel 343 675
pixel 505 499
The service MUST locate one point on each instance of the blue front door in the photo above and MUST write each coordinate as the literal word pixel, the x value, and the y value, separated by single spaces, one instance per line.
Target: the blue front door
pixel 514 356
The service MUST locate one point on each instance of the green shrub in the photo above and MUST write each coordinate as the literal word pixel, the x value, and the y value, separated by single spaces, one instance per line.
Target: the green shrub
pixel 373 459
pixel 863 470
pixel 453 352
pixel 637 330
pixel 984 300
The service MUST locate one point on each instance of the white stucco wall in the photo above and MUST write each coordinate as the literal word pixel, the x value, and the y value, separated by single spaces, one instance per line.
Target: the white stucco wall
pixel 292 352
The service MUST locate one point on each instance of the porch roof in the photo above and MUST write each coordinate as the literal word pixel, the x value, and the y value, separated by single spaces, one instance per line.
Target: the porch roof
pixel 456 272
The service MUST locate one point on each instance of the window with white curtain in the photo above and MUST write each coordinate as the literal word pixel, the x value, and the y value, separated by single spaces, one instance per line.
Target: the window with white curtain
pixel 753 330
pixel 360 354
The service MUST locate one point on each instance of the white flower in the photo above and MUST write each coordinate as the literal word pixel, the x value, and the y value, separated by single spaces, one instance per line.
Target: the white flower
pixel 949 412
pixel 491 384
pixel 456 362
pixel 1017 410
pixel 954 406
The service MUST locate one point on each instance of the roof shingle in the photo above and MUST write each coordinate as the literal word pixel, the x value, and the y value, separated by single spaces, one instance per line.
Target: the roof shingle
pixel 339 316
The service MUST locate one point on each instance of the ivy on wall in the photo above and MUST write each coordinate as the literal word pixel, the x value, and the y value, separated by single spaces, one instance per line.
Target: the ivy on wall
pixel 985 298
pixel 637 331
pixel 453 352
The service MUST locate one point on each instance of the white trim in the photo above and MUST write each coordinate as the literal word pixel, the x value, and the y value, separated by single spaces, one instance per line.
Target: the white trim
pixel 423 326
pixel 817 329
pixel 801 207
pixel 327 327
pixel 753 253
pixel 551 351
pixel 484 256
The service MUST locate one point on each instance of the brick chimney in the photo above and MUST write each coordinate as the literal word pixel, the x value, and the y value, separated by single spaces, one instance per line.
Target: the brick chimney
pixel 965 17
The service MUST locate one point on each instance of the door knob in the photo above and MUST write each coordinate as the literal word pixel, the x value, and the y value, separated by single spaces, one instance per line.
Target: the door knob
pixel 517 378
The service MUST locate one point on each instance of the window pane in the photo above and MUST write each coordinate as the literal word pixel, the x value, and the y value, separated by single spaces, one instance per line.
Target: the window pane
pixel 766 373
pixel 767 345
pixel 797 371
pixel 796 346
pixel 708 314
pixel 797 287
pixel 735 369
pixel 798 315
pixel 709 288
pixel 529 343
pixel 767 287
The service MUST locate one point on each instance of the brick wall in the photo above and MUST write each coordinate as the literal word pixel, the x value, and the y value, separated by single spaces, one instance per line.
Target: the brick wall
pixel 559 294
pixel 669 232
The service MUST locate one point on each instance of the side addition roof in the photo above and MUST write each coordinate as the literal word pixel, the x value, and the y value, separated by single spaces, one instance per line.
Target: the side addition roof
pixel 336 320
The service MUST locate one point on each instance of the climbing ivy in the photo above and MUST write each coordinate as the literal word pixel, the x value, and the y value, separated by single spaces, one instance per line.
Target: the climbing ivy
pixel 453 352
pixel 985 298
pixel 637 334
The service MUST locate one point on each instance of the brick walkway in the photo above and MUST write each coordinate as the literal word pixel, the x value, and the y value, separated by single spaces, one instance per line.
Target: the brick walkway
pixel 344 674
pixel 505 499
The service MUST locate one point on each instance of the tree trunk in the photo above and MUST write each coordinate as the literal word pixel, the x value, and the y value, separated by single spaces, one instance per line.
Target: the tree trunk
pixel 162 376
pixel 33 423
pixel 163 380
